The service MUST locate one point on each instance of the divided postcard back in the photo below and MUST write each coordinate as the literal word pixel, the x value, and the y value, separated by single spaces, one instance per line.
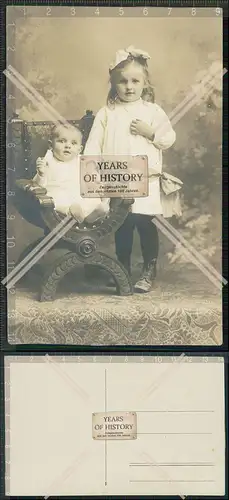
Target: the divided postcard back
pixel 115 425
pixel 127 101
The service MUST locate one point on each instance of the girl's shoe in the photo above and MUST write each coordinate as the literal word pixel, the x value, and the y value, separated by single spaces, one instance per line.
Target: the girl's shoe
pixel 145 283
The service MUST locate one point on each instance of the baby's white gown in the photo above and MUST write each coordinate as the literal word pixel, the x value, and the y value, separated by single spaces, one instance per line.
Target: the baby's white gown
pixel 62 182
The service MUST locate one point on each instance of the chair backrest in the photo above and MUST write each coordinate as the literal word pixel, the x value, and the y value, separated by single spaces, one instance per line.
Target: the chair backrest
pixel 30 140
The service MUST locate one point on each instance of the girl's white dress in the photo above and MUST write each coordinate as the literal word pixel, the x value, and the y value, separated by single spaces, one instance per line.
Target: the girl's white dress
pixel 62 182
pixel 110 134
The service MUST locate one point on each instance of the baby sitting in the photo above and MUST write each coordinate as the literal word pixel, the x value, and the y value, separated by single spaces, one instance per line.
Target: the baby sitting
pixel 59 173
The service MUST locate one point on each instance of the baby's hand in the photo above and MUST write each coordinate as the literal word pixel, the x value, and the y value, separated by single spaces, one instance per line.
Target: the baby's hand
pixel 138 127
pixel 41 165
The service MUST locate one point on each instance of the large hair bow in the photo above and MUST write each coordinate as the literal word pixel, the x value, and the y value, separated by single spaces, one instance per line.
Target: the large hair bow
pixel 123 54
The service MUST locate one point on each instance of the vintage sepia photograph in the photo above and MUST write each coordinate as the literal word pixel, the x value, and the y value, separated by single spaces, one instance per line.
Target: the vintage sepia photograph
pixel 114 176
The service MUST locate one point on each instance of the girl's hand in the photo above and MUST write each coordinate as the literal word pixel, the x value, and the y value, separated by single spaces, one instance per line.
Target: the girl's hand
pixel 138 127
pixel 41 165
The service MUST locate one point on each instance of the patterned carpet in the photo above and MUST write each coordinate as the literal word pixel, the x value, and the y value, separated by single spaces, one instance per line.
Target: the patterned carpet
pixel 184 308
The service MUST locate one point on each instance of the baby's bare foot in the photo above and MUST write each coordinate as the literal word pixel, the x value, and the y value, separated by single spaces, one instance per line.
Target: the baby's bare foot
pixel 77 213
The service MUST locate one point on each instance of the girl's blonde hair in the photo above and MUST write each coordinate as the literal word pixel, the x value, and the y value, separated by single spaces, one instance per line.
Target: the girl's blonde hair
pixel 148 91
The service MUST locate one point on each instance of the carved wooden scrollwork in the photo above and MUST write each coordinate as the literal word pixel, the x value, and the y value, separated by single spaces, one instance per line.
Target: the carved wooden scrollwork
pixel 82 241
pixel 68 263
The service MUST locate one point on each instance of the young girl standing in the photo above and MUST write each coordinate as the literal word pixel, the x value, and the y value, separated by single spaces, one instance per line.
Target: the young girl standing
pixel 131 124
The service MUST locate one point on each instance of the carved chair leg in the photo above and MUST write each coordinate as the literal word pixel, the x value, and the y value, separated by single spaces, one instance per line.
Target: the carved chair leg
pixel 67 263
pixel 58 263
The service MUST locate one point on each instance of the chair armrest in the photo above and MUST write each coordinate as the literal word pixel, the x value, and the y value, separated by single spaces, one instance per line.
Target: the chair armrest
pixel 36 192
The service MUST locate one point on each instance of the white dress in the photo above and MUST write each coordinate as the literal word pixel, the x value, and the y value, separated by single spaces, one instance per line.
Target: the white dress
pixel 62 182
pixel 110 134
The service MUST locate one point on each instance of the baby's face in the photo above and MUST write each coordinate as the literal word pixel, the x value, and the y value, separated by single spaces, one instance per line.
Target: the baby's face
pixel 130 82
pixel 66 144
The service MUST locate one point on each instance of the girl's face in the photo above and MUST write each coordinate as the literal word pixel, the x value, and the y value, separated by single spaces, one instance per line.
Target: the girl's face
pixel 66 144
pixel 130 82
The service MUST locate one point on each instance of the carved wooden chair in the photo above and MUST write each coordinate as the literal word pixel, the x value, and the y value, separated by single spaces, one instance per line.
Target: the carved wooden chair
pixel 81 242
